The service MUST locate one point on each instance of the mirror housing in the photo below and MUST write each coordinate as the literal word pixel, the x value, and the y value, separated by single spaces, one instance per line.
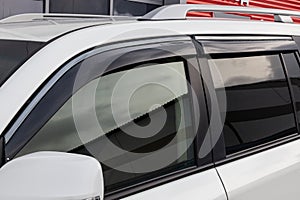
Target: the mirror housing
pixel 52 175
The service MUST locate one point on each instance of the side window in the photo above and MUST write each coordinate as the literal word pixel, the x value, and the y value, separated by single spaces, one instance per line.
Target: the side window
pixel 136 117
pixel 151 94
pixel 259 107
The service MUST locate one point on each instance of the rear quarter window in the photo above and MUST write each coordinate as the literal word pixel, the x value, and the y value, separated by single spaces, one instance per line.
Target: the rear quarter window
pixel 13 54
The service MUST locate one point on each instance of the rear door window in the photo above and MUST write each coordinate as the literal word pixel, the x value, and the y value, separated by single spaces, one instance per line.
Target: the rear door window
pixel 259 106
pixel 251 90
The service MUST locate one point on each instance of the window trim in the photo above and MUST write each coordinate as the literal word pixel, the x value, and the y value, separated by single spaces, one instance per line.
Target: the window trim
pixel 219 150
pixel 258 149
pixel 235 47
pixel 193 78
pixel 158 181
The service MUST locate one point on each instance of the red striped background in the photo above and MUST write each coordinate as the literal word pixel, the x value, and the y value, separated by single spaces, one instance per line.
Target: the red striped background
pixel 277 4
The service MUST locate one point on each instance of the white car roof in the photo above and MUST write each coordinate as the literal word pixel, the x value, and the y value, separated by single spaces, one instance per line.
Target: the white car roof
pixel 44 27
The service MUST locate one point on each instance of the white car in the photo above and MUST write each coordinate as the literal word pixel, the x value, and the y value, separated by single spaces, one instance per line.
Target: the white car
pixel 157 107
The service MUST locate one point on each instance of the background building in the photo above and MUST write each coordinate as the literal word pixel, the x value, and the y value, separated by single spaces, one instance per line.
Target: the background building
pixel 277 4
pixel 130 7
pixel 12 7
pixel 100 7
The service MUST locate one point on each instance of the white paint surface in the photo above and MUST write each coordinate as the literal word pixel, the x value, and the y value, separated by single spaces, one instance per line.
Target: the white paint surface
pixel 51 176
pixel 273 174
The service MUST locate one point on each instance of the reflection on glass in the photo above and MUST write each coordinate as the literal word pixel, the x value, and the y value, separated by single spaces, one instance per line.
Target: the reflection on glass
pixel 126 102
pixel 258 101
pixel 294 73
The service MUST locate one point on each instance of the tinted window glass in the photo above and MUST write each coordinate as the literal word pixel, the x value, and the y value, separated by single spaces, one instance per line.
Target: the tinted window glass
pixel 294 73
pixel 159 92
pixel 124 7
pixel 12 54
pixel 80 6
pixel 259 107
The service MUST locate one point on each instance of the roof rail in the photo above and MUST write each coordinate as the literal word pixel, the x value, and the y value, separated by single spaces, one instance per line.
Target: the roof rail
pixel 179 11
pixel 37 16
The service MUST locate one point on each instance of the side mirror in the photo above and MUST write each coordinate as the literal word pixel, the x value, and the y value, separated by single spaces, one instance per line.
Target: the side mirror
pixel 52 175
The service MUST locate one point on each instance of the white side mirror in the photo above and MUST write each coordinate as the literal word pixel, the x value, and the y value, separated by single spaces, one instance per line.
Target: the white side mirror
pixel 52 175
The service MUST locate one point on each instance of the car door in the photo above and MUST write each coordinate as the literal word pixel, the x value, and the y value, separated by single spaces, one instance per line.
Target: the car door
pixel 256 86
pixel 139 108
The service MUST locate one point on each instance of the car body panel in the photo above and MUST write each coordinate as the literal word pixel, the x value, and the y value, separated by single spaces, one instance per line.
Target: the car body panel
pixel 273 174
pixel 42 28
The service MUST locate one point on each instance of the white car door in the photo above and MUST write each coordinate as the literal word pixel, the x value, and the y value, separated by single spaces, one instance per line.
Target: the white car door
pixel 273 174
